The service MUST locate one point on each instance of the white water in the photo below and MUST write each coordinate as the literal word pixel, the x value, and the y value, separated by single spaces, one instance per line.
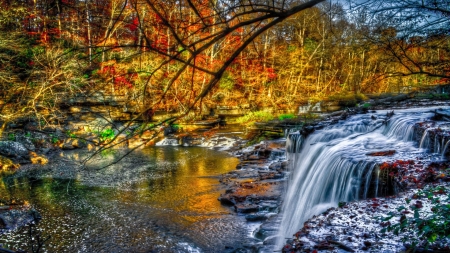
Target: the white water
pixel 168 142
pixel 332 165
pixel 310 108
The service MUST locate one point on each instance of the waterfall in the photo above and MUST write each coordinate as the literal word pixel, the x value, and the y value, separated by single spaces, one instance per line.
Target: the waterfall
pixel 168 142
pixel 444 149
pixel 437 145
pixel 425 141
pixel 332 165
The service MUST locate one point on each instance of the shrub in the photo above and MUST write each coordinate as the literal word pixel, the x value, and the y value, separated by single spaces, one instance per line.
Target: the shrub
pixel 70 134
pixel 424 228
pixel 107 134
pixel 11 137
pixel 53 139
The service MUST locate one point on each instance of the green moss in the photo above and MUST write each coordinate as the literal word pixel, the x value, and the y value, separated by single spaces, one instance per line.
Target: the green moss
pixel 258 116
pixel 286 116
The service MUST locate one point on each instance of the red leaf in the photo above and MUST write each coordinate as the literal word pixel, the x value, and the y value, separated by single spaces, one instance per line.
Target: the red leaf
pixel 133 26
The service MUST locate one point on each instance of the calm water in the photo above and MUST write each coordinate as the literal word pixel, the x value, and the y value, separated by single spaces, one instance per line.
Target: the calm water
pixel 165 201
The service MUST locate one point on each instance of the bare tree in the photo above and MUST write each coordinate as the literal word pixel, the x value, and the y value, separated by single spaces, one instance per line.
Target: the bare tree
pixel 411 34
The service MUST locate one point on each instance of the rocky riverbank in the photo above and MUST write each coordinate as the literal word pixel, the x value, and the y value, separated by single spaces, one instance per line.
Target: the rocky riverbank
pixel 374 225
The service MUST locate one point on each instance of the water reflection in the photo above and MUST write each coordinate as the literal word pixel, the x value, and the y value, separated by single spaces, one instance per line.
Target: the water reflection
pixel 167 204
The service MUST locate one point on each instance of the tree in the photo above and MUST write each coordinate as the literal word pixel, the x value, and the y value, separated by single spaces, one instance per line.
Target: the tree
pixel 195 30
pixel 411 35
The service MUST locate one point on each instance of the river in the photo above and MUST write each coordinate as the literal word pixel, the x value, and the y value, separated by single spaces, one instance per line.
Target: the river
pixel 160 199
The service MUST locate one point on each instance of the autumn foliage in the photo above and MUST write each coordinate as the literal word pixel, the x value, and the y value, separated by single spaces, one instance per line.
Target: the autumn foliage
pixel 196 54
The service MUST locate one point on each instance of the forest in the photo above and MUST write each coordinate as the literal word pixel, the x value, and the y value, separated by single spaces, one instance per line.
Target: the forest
pixel 195 55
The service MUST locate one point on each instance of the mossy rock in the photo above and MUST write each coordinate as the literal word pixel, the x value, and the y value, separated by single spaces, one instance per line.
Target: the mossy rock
pixel 7 166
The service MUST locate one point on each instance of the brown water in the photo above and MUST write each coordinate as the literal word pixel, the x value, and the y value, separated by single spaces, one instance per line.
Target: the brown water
pixel 165 201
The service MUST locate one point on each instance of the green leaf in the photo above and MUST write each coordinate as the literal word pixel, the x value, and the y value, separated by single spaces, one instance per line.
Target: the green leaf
pixel 432 237
pixel 387 218
pixel 416 214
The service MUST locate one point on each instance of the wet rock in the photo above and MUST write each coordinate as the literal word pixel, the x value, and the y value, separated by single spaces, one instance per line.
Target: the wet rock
pixel 284 165
pixel 191 140
pixel 275 166
pixel 382 153
pixel 272 240
pixel 367 244
pixel 14 150
pixel 270 175
pixel 255 188
pixel 307 130
pixel 26 142
pixel 254 157
pixel 268 229
pixel 73 143
pixel 441 115
pixel 227 200
pixel 247 173
pixel 15 218
pixel 363 231
pixel 246 208
pixel 2 223
pixel 256 217
pixel 269 205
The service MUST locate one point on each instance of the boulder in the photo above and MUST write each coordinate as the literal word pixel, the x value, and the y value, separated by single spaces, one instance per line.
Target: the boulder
pixel 14 150
pixel 15 217
pixel 73 143
pixel 26 142
pixel 246 208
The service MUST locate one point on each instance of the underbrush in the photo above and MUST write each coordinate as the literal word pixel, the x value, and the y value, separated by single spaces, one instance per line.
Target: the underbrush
pixel 429 226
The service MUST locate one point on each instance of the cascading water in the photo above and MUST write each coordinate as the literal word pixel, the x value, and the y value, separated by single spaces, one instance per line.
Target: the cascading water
pixel 335 164
pixel 425 141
